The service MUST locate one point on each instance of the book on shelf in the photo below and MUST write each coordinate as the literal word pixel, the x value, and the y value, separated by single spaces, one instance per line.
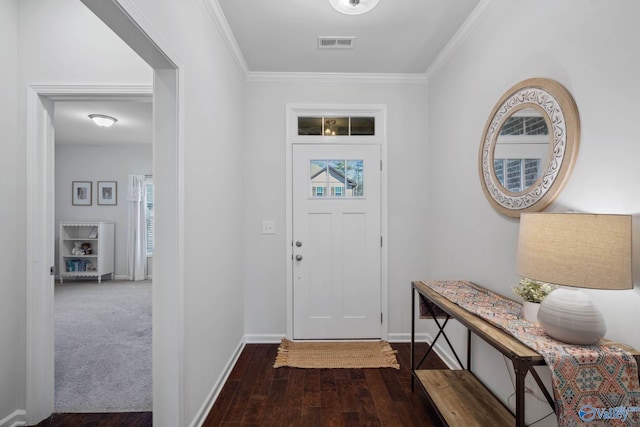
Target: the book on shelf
pixel 78 265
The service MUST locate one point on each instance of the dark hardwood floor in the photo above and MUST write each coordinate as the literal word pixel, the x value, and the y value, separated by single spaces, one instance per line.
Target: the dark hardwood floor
pixel 120 419
pixel 256 394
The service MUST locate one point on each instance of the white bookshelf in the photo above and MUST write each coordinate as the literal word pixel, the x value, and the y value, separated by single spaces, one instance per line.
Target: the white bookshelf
pixel 99 261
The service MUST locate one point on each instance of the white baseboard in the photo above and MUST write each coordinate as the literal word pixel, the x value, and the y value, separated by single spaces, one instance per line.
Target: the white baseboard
pixel 406 337
pixel 204 410
pixel 17 418
pixel 275 339
pixel 264 338
pixel 443 354
pixel 115 277
pixel 200 417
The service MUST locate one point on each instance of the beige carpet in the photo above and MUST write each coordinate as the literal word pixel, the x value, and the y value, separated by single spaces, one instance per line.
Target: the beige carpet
pixel 342 354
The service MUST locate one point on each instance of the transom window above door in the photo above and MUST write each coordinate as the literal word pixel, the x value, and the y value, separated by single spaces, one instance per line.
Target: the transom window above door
pixel 336 178
pixel 336 126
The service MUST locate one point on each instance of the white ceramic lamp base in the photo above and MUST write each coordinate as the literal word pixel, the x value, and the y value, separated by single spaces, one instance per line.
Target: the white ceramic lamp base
pixel 569 315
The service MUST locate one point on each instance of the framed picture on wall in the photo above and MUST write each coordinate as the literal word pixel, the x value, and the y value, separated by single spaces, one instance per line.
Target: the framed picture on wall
pixel 81 193
pixel 108 193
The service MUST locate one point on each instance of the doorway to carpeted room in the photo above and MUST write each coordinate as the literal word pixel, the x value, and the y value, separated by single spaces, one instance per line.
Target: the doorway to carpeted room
pixel 103 347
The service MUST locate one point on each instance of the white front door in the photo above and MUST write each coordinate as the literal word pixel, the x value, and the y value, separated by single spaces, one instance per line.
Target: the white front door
pixel 336 241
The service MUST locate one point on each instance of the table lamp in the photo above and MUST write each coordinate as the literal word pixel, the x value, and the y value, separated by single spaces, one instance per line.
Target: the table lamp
pixel 575 250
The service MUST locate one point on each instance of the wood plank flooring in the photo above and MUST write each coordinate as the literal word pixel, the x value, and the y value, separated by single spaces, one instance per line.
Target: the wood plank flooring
pixel 256 394
pixel 120 419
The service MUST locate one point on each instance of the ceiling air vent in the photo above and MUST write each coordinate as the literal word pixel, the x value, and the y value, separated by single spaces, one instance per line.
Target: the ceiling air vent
pixel 336 42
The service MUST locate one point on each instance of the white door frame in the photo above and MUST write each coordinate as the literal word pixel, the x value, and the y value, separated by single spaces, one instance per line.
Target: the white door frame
pixel 168 317
pixel 40 200
pixel 318 110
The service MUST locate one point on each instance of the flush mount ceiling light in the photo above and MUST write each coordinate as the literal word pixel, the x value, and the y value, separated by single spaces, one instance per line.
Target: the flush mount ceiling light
pixel 353 7
pixel 102 120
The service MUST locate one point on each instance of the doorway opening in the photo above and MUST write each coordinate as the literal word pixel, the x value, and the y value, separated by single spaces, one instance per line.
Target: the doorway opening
pixel 167 166
pixel 102 327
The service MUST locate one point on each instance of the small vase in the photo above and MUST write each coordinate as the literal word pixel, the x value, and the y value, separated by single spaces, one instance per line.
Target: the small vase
pixel 530 311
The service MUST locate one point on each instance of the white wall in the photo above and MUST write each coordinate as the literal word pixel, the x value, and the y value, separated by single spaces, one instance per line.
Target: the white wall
pixel 12 254
pixel 100 163
pixel 52 44
pixel 589 47
pixel 58 39
pixel 56 45
pixel 264 191
pixel 213 204
pixel 454 233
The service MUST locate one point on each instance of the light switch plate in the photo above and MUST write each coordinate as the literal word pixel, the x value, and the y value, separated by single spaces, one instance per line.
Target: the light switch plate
pixel 268 227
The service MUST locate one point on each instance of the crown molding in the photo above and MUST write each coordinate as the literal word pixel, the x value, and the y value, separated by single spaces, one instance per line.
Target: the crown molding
pixel 468 26
pixel 473 20
pixel 351 78
pixel 217 15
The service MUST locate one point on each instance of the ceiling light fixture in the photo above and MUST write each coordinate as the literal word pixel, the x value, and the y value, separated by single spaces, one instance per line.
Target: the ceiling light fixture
pixel 328 127
pixel 353 7
pixel 102 120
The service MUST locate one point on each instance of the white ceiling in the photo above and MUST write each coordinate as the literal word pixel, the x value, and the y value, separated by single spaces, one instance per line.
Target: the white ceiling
pixel 74 127
pixel 396 37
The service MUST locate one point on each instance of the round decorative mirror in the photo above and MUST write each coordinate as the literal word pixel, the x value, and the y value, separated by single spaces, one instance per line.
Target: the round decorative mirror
pixel 529 146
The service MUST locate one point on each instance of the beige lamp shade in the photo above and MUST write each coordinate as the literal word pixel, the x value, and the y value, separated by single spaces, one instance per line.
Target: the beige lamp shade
pixel 581 250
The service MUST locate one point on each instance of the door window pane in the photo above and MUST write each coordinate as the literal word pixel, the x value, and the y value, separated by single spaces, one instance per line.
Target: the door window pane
pixel 355 177
pixel 336 178
pixel 318 177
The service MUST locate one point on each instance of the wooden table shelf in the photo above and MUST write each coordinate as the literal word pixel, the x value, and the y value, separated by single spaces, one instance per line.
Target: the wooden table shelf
pixel 461 400
pixel 457 395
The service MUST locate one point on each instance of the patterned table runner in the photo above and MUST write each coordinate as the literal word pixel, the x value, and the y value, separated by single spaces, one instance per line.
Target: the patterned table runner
pixel 593 385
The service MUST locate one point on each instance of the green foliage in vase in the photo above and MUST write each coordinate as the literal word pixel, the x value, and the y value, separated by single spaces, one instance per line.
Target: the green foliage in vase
pixel 533 290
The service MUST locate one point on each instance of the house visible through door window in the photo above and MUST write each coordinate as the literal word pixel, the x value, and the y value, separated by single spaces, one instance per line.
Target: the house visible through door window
pixel 149 214
pixel 336 178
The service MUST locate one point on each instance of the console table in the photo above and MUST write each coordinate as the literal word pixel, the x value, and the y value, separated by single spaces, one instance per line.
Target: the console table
pixel 459 398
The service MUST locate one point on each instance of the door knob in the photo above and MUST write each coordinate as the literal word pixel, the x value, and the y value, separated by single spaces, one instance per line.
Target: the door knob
pixel 298 257
pixel 298 243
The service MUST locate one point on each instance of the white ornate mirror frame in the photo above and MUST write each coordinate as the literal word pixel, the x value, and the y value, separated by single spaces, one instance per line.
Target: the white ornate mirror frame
pixel 554 102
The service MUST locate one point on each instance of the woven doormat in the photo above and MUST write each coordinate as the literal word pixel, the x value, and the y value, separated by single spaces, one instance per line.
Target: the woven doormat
pixel 359 354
